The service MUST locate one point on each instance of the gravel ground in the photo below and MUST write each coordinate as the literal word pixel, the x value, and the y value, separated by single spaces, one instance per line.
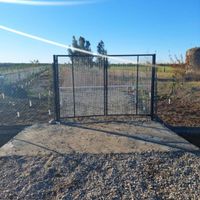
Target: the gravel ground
pixel 147 175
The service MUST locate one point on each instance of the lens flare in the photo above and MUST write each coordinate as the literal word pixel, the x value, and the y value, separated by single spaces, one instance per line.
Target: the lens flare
pixel 48 3
pixel 60 44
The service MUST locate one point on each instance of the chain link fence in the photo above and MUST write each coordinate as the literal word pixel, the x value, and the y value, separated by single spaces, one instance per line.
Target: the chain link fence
pixel 82 86
pixel 26 94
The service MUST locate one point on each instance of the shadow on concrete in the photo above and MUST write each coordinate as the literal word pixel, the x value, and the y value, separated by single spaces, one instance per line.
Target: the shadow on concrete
pixel 121 122
pixel 191 134
pixel 8 132
pixel 154 140
pixel 40 146
pixel 176 145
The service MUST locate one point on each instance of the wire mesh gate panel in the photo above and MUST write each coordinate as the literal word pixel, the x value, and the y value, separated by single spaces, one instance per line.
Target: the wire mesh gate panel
pixel 95 86
pixel 81 87
pixel 129 85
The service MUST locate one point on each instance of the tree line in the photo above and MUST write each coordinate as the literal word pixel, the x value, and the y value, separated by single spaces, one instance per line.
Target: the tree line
pixel 84 44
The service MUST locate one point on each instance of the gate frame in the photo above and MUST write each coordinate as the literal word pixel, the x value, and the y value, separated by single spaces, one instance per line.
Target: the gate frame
pixel 153 99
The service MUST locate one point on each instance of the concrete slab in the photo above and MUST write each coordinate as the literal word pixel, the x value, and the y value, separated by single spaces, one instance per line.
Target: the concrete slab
pixel 105 137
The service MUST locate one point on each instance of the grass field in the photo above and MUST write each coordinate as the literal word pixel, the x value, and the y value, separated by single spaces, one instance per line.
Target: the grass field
pixel 165 72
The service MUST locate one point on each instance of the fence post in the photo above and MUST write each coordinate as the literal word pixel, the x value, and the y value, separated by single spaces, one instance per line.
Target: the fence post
pixel 137 89
pixel 153 79
pixel 56 89
pixel 73 85
pixel 106 86
pixel 105 65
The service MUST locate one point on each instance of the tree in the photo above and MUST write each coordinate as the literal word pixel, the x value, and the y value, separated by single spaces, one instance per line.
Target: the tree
pixel 35 62
pixel 75 45
pixel 87 46
pixel 101 50
pixel 83 45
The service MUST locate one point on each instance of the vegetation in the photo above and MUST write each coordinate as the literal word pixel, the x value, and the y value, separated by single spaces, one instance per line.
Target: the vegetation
pixel 85 45
pixel 81 44
pixel 18 67
pixel 178 96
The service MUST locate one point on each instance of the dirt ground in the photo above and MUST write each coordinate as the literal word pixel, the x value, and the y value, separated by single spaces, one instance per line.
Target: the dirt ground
pixel 95 137
pixel 183 110
pixel 17 99
pixel 179 99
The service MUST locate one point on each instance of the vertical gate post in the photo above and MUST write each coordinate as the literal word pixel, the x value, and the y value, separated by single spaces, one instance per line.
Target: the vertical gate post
pixel 73 85
pixel 56 89
pixel 153 79
pixel 105 66
pixel 137 90
pixel 104 84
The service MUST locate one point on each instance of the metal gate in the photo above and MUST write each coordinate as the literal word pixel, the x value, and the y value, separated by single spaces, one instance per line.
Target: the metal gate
pixel 95 86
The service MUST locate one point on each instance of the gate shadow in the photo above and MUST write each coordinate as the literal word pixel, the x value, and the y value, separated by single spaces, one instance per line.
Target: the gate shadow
pixel 154 140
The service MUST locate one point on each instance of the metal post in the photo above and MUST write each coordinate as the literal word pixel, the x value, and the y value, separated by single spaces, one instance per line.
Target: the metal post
pixel 73 87
pixel 156 93
pixel 137 90
pixel 104 83
pixel 56 89
pixel 106 86
pixel 153 85
pixel 105 66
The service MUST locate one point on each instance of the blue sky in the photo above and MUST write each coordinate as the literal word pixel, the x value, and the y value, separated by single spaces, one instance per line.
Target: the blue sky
pixel 126 26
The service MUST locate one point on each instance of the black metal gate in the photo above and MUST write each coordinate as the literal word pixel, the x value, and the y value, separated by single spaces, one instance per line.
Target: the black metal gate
pixel 86 85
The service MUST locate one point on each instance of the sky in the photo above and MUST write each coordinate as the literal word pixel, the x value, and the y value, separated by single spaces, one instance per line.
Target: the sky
pixel 163 27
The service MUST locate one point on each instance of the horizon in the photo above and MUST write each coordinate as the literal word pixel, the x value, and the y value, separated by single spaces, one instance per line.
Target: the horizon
pixel 165 28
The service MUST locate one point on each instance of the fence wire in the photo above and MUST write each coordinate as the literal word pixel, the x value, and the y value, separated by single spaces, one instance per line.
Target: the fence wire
pixel 26 94
pixel 93 86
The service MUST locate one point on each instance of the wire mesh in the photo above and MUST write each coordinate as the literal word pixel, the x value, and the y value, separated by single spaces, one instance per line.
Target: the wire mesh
pixel 144 84
pixel 81 86
pixel 94 86
pixel 122 81
pixel 66 88
pixel 89 88
pixel 26 94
